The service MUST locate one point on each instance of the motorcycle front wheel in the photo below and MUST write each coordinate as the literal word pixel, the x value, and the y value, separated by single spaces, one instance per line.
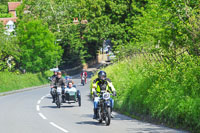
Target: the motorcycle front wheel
pixel 100 116
pixel 79 98
pixel 58 101
pixel 108 116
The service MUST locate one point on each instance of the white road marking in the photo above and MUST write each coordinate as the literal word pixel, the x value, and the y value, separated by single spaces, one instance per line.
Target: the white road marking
pixel 62 129
pixel 38 108
pixel 42 97
pixel 43 117
pixel 38 101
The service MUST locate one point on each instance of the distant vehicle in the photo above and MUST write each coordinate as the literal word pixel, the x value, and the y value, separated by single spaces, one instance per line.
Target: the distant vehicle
pixel 107 51
pixel 54 69
pixel 110 56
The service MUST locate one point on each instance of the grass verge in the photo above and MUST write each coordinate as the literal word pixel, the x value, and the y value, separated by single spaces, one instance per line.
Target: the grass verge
pixel 12 81
pixel 167 93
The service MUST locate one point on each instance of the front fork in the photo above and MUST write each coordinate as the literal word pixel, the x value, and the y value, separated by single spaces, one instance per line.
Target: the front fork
pixel 103 109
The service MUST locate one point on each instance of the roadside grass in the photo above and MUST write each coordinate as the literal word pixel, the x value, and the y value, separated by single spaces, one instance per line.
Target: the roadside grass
pixel 13 81
pixel 167 93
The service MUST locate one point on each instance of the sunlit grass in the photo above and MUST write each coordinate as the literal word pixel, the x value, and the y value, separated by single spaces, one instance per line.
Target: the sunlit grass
pixel 166 92
pixel 12 81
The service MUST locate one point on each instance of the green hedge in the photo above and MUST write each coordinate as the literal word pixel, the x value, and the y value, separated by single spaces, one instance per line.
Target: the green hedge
pixel 13 81
pixel 167 92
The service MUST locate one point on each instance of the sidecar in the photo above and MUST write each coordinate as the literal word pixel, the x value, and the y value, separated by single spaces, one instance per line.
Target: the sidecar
pixel 72 95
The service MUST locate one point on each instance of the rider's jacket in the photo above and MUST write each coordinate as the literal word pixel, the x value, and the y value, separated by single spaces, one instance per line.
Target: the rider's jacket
pixel 60 82
pixel 84 74
pixel 99 85
pixel 53 76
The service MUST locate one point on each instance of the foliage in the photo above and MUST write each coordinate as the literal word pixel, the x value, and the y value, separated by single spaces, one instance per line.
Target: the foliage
pixel 166 24
pixel 14 81
pixel 169 93
pixel 5 15
pixel 4 8
pixel 9 51
pixel 39 51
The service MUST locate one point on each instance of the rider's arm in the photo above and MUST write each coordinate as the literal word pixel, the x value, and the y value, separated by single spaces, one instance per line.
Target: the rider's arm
pixel 111 85
pixel 94 86
pixel 64 83
pixel 53 82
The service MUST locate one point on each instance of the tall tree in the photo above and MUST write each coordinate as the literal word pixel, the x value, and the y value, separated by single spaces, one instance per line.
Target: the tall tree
pixel 38 46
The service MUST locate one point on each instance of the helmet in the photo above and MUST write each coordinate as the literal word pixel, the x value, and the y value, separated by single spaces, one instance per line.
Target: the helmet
pixel 55 72
pixel 102 75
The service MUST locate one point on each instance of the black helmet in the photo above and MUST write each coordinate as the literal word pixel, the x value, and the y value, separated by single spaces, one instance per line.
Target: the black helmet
pixel 55 72
pixel 102 75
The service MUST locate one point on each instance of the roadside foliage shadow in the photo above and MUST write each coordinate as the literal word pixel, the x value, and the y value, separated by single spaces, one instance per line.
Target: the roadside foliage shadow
pixel 55 107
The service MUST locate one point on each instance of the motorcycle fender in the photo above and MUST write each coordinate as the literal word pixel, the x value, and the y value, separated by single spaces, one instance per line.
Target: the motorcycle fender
pixel 108 103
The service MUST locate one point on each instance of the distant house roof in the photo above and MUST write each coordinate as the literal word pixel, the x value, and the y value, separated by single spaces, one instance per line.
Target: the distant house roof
pixel 5 20
pixel 13 5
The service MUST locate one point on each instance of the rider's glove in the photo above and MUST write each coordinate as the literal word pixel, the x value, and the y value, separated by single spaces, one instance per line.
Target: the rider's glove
pixel 114 93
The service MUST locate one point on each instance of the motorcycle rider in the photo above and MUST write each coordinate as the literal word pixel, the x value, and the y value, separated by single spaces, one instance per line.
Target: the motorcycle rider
pixel 84 74
pixel 68 79
pixel 54 75
pixel 59 81
pixel 51 78
pixel 102 83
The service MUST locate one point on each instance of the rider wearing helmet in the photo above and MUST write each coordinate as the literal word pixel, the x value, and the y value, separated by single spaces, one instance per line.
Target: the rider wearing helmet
pixel 102 83
pixel 59 81
pixel 51 79
pixel 54 75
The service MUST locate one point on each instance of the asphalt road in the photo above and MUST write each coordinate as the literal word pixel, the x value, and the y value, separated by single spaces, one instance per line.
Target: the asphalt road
pixel 33 112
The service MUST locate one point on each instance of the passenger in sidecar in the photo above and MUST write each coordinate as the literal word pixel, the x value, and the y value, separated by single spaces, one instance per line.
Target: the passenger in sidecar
pixel 72 94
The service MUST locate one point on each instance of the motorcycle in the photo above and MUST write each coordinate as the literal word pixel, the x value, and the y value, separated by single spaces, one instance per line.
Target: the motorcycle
pixel 57 93
pixel 104 108
pixel 72 96
pixel 83 80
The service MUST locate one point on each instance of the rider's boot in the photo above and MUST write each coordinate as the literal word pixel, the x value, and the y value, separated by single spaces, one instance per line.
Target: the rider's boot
pixel 63 99
pixel 95 114
pixel 53 100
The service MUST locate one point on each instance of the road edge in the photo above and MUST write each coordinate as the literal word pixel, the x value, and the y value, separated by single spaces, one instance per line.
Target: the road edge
pixel 22 90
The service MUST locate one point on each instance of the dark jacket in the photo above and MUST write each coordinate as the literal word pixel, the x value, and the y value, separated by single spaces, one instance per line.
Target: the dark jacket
pixel 60 82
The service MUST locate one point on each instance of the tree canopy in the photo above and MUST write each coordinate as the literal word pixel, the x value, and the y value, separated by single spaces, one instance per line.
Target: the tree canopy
pixel 39 50
pixel 146 24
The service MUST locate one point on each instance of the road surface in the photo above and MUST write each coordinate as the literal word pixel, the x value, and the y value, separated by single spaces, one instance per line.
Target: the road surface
pixel 33 112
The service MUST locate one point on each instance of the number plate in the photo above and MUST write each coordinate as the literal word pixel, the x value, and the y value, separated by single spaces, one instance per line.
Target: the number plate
pixel 59 89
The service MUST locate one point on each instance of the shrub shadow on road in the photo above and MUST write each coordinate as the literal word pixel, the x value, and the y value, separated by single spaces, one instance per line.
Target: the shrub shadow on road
pixel 55 107
pixel 153 130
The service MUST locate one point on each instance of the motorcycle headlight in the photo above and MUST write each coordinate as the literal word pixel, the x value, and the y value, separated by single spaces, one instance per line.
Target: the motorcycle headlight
pixel 106 96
